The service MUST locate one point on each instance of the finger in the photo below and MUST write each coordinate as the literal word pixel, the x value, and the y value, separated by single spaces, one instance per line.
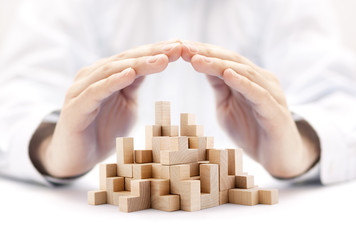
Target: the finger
pixel 92 97
pixel 130 92
pixel 142 66
pixel 264 103
pixel 221 90
pixel 216 67
pixel 189 49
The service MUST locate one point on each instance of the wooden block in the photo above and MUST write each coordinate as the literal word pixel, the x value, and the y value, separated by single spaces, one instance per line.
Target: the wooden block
pixel 159 187
pixel 231 181
pixel 160 197
pixel 187 119
pixel 159 144
pixel 209 184
pixel 163 113
pixel 179 157
pixel 150 132
pixel 156 170
pixel 105 171
pixel 170 131
pixel 128 183
pixel 200 144
pixel 124 150
pixel 168 203
pixel 117 195
pixel 194 169
pixel 139 199
pixel 192 130
pixel 218 156
pixel 97 197
pixel 223 197
pixel 114 184
pixel 194 178
pixel 178 143
pixel 143 156
pixel 189 191
pixel 177 174
pixel 243 196
pixel 124 170
pixel 235 161
pixel 142 171
pixel 244 181
pixel 209 142
pixel 204 162
pixel 268 196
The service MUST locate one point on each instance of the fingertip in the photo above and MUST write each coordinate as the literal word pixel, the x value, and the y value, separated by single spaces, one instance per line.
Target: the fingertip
pixel 198 62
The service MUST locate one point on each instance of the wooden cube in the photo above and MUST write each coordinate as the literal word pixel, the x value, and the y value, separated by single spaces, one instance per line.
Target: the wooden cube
pixel 163 113
pixel 96 197
pixel 142 171
pixel 268 196
pixel 170 131
pixel 243 196
pixel 105 171
pixel 124 150
pixel 244 181
pixel 187 119
pixel 150 132
pixel 143 156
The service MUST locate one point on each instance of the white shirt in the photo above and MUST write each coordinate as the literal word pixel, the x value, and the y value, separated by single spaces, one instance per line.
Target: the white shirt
pixel 296 40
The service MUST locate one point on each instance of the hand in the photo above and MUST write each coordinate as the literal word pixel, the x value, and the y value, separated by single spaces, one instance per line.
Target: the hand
pixel 252 108
pixel 99 106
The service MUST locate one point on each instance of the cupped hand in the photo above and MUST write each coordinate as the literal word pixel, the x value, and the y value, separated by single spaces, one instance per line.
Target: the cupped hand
pixel 252 108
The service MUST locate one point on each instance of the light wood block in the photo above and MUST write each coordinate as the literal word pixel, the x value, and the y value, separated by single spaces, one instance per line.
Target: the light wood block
pixel 218 156
pixel 231 181
pixel 139 199
pixel 124 150
pixel 179 157
pixel 177 174
pixel 200 144
pixel 244 181
pixel 117 195
pixel 209 142
pixel 223 197
pixel 105 171
pixel 160 171
pixel 128 183
pixel 159 144
pixel 190 195
pixel 243 196
pixel 150 132
pixel 125 170
pixel 268 196
pixel 194 169
pixel 114 184
pixel 160 197
pixel 235 161
pixel 209 184
pixel 192 130
pixel 163 113
pixel 194 178
pixel 204 162
pixel 143 156
pixel 187 119
pixel 178 143
pixel 142 171
pixel 170 131
pixel 97 197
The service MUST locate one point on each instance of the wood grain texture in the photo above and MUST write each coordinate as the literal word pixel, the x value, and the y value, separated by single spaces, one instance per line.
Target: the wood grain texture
pixel 159 144
pixel 114 184
pixel 219 156
pixel 163 113
pixel 179 157
pixel 124 170
pixel 223 197
pixel 192 130
pixel 187 119
pixel 142 171
pixel 150 132
pixel 177 174
pixel 190 195
pixel 244 196
pixel 170 131
pixel 235 161
pixel 125 150
pixel 244 181
pixel 209 184
pixel 105 171
pixel 97 197
pixel 139 199
pixel 160 197
pixel 200 144
pixel 143 156
pixel 268 196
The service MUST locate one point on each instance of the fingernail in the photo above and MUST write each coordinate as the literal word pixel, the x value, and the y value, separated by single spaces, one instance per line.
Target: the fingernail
pixel 169 47
pixel 153 59
pixel 192 48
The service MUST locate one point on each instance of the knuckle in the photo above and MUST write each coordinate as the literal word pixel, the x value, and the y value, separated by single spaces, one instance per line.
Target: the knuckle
pixel 250 71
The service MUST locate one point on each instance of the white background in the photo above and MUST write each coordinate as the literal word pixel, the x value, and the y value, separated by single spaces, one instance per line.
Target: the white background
pixel 305 211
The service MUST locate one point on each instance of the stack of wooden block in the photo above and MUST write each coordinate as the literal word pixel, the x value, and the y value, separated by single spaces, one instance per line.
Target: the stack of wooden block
pixel 176 172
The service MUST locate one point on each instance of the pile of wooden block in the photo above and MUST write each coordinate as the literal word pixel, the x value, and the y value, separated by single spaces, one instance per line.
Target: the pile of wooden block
pixel 176 171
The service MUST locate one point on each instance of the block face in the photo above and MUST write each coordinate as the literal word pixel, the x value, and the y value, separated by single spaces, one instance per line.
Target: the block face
pixel 244 196
pixel 142 171
pixel 105 171
pixel 170 131
pixel 194 169
pixel 114 184
pixel 200 144
pixel 177 174
pixel 192 130
pixel 209 142
pixel 128 183
pixel 187 119
pixel 124 150
pixel 139 199
pixel 209 184
pixel 125 170
pixel 244 181
pixel 163 113
pixel 178 143
pixel 143 156
pixel 235 161
pixel 150 132
pixel 179 157
pixel 268 196
pixel 219 156
pixel 159 144
pixel 223 197
pixel 189 191
pixel 96 197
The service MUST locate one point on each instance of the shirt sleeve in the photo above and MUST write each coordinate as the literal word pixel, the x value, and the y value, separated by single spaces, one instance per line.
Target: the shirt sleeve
pixel 48 43
pixel 301 46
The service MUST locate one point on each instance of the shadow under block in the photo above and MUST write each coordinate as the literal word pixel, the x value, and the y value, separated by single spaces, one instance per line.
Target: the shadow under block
pixel 163 113
pixel 105 171
pixel 125 170
pixel 170 131
pixel 125 150
pixel 189 191
pixel 244 181
pixel 142 171
pixel 159 144
pixel 114 184
pixel 209 185
pixel 235 161
pixel 150 132
pixel 143 156
pixel 218 156
pixel 160 197
pixel 268 196
pixel 179 157
pixel 139 199
pixel 177 174
pixel 244 196
pixel 97 197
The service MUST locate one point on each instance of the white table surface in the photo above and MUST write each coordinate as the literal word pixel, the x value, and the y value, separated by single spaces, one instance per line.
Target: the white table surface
pixel 304 211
